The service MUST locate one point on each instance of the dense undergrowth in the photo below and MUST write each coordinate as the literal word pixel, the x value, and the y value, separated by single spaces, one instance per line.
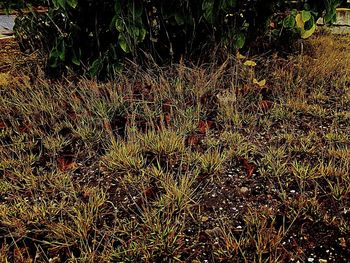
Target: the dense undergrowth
pixel 184 163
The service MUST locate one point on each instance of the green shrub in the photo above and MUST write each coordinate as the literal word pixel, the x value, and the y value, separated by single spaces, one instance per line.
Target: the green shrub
pixel 95 36
pixel 16 4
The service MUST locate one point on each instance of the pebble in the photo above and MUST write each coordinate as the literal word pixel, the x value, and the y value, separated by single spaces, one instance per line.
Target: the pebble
pixel 244 190
pixel 322 260
pixel 213 232
pixel 310 260
pixel 204 218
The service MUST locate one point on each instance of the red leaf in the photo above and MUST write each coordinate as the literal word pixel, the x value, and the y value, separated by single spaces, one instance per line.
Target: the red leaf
pixel 249 167
pixel 150 192
pixel 204 126
pixel 192 140
pixel 2 125
pixel 66 163
pixel 167 118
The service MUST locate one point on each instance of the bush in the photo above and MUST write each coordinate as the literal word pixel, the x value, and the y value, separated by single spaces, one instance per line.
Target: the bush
pixel 95 36
pixel 16 4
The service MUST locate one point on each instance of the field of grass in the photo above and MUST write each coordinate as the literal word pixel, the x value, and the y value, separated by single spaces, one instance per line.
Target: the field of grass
pixel 180 164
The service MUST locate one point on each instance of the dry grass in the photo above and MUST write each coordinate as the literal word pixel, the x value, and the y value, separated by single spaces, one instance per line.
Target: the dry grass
pixel 185 163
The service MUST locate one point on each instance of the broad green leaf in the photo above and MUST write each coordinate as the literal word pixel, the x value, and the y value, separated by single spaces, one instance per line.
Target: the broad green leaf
pixel 142 34
pixel 305 15
pixel 54 55
pixel 138 9
pixel 308 33
pixel 309 24
pixel 72 3
pixel 227 5
pixel 231 3
pixel 62 51
pixel 119 24
pixel 55 4
pixel 95 67
pixel 123 43
pixel 239 40
pixel 75 59
pixel 135 8
pixel 330 17
pixel 134 31
pixel 118 7
pixel 289 21
pixel 179 19
pixel 62 3
pixel 208 8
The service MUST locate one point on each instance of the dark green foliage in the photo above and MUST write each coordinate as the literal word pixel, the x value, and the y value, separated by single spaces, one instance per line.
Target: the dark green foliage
pixel 15 4
pixel 94 36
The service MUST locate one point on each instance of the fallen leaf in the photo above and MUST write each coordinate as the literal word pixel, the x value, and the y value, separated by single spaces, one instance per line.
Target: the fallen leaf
pixel 250 63
pixel 192 140
pixel 87 193
pixel 260 83
pixel 204 126
pixel 2 125
pixel 66 163
pixel 239 56
pixel 167 119
pixel 249 167
pixel 184 168
pixel 149 192
pixel 299 21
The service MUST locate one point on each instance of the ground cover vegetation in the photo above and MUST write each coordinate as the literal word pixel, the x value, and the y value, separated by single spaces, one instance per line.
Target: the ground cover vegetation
pixel 228 158
pixel 246 160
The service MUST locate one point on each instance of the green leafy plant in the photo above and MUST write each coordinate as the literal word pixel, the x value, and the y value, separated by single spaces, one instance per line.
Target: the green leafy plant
pixel 96 36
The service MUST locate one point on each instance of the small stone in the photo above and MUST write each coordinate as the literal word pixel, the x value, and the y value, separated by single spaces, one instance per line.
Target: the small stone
pixel 322 260
pixel 213 232
pixel 310 260
pixel 204 218
pixel 244 190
